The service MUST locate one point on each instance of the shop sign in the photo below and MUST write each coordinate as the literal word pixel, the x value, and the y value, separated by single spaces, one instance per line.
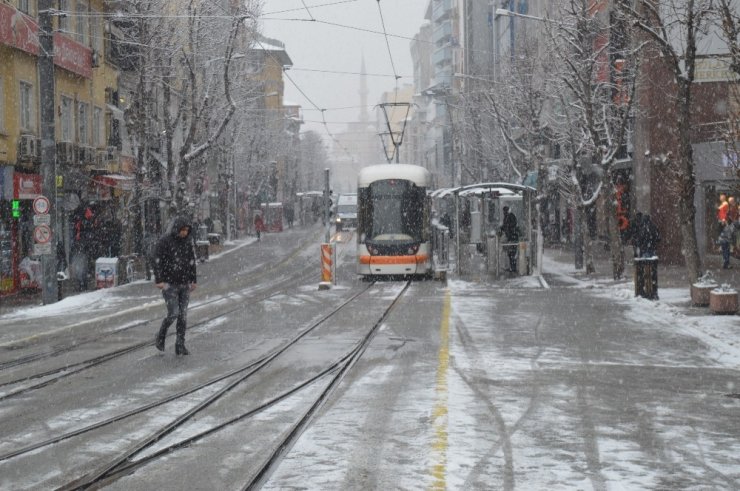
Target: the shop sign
pixel 18 30
pixel 26 186
pixel 72 56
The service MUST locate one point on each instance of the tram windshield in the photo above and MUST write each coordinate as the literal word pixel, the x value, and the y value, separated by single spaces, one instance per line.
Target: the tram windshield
pixel 392 211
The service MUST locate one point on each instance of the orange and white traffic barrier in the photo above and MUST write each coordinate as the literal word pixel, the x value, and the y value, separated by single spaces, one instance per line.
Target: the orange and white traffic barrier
pixel 327 263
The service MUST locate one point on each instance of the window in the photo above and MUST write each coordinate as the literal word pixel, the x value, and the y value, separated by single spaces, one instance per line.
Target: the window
pixel 97 127
pixel 96 38
pixel 81 20
pixel 66 121
pixel 28 112
pixel 25 6
pixel 82 124
pixel 64 19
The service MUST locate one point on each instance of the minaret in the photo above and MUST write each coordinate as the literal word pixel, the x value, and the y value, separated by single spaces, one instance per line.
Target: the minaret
pixel 364 118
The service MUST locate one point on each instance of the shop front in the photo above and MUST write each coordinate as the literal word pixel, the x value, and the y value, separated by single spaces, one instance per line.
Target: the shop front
pixel 18 266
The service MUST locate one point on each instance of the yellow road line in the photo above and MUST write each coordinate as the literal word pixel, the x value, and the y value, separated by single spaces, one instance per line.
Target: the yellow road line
pixel 440 413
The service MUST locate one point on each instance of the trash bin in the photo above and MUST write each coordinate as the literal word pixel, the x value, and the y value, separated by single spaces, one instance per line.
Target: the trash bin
pixel 646 277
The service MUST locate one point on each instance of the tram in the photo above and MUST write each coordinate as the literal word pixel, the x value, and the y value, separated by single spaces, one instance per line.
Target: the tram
pixel 393 221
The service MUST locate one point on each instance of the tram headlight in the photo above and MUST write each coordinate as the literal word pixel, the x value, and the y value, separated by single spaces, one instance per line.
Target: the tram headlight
pixel 413 249
pixel 373 251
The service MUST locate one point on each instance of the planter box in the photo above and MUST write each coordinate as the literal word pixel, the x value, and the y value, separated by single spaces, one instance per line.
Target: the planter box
pixel 723 302
pixel 700 293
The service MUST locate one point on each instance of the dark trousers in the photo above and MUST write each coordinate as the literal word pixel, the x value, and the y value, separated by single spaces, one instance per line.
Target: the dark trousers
pixel 725 246
pixel 176 297
pixel 511 252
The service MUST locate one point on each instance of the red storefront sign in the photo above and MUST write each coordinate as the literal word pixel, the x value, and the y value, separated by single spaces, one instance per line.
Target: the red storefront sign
pixel 18 30
pixel 27 186
pixel 72 56
pixel 22 32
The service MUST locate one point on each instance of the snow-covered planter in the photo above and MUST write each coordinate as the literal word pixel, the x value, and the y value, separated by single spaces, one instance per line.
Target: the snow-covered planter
pixel 723 300
pixel 701 289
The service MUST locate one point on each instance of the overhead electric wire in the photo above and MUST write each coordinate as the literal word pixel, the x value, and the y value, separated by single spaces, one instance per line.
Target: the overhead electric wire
pixel 387 43
pixel 308 11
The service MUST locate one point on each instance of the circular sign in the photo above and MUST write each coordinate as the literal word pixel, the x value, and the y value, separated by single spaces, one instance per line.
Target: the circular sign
pixel 41 205
pixel 42 234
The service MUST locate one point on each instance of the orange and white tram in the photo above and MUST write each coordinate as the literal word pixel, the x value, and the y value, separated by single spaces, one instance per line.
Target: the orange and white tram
pixel 393 221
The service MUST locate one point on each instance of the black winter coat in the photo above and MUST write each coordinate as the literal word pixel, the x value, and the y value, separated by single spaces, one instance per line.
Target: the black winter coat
pixel 174 257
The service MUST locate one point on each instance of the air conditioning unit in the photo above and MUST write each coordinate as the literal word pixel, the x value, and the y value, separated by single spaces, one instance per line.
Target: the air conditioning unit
pixel 101 159
pixel 112 154
pixel 86 155
pixel 66 153
pixel 29 149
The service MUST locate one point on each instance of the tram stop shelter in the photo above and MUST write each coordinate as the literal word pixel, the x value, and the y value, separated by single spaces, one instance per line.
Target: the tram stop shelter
pixel 476 217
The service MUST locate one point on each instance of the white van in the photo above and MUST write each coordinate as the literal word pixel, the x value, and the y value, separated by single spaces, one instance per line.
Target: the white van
pixel 346 212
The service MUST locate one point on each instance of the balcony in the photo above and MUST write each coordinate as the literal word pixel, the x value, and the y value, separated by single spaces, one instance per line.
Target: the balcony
pixel 442 56
pixel 441 10
pixel 442 33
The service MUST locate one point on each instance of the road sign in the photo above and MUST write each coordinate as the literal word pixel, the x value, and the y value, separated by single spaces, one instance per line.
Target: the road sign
pixel 42 234
pixel 41 205
pixel 42 219
pixel 41 249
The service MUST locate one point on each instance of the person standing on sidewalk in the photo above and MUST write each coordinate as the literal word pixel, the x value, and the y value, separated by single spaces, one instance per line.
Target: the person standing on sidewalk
pixel 259 225
pixel 175 275
pixel 509 229
pixel 726 239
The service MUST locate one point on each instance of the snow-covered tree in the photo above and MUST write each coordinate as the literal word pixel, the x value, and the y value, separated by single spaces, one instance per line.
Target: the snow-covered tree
pixel 674 31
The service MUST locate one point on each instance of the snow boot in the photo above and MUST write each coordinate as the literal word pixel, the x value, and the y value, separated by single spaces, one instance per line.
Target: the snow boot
pixel 180 349
pixel 161 335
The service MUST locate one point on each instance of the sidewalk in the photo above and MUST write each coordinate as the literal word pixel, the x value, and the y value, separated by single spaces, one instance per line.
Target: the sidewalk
pixel 673 282
pixel 668 276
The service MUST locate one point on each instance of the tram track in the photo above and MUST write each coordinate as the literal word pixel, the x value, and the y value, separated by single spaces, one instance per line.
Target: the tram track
pixel 70 369
pixel 219 295
pixel 126 463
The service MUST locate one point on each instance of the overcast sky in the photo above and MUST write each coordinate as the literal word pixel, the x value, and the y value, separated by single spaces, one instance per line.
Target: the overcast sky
pixel 335 42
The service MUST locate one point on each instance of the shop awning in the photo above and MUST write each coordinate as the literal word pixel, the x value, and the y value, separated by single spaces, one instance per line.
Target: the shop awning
pixel 112 184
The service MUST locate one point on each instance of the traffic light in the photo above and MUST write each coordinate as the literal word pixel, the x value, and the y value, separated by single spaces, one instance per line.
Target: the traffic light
pixel 15 208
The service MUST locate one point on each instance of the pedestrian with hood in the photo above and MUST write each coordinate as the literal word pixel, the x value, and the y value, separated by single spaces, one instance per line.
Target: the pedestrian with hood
pixel 510 230
pixel 175 275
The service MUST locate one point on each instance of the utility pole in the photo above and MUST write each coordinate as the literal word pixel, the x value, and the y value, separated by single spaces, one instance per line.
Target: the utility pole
pixel 49 292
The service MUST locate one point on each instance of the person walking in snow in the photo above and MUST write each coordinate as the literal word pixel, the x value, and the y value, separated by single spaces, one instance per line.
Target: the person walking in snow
pixel 175 275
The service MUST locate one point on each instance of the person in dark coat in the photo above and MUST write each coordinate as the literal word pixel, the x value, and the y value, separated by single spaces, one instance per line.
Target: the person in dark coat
pixel 175 275
pixel 645 236
pixel 511 233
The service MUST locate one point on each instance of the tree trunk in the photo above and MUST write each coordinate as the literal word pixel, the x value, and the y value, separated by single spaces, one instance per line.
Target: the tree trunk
pixel 687 183
pixel 616 248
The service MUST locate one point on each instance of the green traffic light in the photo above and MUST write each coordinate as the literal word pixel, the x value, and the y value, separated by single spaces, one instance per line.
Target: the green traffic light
pixel 15 207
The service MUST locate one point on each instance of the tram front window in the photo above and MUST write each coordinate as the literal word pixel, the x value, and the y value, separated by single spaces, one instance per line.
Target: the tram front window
pixel 395 212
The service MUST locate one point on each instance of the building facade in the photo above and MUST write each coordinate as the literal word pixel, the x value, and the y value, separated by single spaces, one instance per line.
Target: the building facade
pixel 89 163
